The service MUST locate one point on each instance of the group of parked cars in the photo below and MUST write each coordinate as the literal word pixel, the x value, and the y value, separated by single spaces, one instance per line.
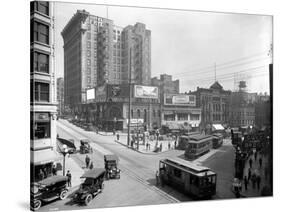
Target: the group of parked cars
pixel 55 187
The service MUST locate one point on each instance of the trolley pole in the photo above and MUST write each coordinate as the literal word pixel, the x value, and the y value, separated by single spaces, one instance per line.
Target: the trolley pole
pixel 129 110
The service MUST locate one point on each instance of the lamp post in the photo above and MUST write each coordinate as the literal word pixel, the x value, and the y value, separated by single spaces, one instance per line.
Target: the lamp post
pixel 64 153
pixel 129 109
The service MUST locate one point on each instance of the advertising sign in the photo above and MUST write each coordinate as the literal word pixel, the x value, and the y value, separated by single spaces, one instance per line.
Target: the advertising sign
pixel 90 94
pixel 146 92
pixel 180 99
pixel 135 121
pixel 120 91
pixel 101 93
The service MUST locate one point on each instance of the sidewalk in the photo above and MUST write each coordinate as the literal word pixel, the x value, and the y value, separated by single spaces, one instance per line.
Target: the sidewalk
pixel 75 170
pixel 265 181
pixel 144 148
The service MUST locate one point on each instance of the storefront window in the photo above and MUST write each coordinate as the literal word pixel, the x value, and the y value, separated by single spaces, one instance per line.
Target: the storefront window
pixel 40 125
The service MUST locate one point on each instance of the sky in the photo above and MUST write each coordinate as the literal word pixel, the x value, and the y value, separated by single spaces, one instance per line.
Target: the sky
pixel 195 47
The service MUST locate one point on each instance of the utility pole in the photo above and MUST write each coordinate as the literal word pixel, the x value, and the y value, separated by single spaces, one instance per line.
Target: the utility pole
pixel 215 72
pixel 129 111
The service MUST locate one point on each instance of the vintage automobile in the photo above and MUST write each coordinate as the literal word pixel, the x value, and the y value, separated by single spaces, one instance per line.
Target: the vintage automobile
pixel 70 143
pixel 110 164
pixel 48 190
pixel 92 186
pixel 85 146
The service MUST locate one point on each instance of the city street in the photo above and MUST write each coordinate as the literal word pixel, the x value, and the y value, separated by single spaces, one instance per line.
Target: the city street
pixel 137 183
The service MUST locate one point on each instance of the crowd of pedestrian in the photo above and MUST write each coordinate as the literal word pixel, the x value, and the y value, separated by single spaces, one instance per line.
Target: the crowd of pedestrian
pixel 253 173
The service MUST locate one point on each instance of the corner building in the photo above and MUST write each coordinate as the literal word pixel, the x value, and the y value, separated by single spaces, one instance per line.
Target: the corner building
pixel 97 53
pixel 43 107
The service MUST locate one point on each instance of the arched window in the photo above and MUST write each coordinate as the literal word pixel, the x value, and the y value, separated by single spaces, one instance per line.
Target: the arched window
pixel 145 115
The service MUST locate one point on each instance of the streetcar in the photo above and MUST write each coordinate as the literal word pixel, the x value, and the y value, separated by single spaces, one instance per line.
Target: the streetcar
pixel 217 140
pixel 194 180
pixel 198 145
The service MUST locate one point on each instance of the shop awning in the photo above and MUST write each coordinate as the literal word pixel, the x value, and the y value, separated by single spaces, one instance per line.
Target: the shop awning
pixel 41 157
pixel 217 127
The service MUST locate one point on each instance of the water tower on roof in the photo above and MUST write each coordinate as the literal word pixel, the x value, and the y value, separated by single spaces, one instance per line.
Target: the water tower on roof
pixel 242 86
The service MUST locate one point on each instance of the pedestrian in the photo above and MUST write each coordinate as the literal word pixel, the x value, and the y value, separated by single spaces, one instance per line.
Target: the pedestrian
pixel 260 162
pixel 249 174
pixel 255 155
pixel 68 174
pixel 157 134
pixel 175 144
pixel 169 146
pixel 146 146
pixel 157 178
pixel 87 161
pixel 54 170
pixel 258 179
pixel 250 162
pixel 160 147
pixel 118 136
pixel 41 174
pixel 91 165
pixel 246 182
pixel 254 180
pixel 45 172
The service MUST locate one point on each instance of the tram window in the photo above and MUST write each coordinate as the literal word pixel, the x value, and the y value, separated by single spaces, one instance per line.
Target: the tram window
pixel 193 180
pixel 177 173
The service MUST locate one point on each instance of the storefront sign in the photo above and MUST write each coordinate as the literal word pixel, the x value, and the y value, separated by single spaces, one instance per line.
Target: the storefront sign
pixel 135 121
pixel 42 117
pixel 146 92
pixel 180 99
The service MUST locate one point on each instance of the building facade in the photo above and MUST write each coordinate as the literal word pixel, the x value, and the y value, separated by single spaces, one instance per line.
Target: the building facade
pixel 215 103
pixel 97 52
pixel 112 108
pixel 60 95
pixel 43 106
pixel 242 110
pixel 136 50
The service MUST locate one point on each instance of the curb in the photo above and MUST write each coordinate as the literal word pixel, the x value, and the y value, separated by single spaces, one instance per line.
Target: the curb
pixel 146 153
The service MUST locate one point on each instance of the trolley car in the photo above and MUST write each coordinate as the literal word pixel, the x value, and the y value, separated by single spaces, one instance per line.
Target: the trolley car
pixel 197 181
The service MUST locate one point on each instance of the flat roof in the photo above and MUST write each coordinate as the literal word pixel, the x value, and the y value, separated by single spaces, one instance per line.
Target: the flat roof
pixel 188 166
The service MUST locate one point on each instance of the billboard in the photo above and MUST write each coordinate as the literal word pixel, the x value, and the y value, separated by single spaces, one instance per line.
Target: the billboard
pixel 101 93
pixel 150 92
pixel 180 99
pixel 121 91
pixel 90 94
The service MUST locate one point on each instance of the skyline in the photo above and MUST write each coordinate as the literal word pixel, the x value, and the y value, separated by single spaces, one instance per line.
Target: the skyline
pixel 210 40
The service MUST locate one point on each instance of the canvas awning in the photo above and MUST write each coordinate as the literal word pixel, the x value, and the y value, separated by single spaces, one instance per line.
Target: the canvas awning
pixel 217 127
pixel 44 156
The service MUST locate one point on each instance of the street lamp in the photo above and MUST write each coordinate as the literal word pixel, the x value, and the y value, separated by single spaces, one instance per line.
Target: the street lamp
pixel 64 153
pixel 129 109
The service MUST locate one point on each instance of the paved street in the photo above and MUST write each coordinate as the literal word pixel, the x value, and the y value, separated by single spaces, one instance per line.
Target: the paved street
pixel 137 183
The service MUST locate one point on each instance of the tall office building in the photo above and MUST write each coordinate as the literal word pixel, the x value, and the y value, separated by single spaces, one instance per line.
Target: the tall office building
pixel 96 52
pixel 43 106
pixel 137 39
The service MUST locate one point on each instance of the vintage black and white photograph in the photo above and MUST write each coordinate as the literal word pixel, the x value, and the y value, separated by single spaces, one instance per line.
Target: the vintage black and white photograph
pixel 136 106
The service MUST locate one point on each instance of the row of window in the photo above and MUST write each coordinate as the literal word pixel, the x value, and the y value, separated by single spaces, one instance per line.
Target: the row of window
pixel 40 6
pixel 145 113
pixel 39 62
pixel 39 32
pixel 40 92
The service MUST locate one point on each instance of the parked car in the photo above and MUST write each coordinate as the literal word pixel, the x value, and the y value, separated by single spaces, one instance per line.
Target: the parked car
pixel 92 186
pixel 68 142
pixel 47 190
pixel 110 163
pixel 85 146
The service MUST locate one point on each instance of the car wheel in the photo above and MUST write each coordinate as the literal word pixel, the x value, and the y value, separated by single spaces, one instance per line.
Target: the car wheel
pixel 88 199
pixel 63 194
pixel 36 205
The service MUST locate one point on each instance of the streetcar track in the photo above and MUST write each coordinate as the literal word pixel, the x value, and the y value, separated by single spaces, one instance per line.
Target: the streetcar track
pixel 125 170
